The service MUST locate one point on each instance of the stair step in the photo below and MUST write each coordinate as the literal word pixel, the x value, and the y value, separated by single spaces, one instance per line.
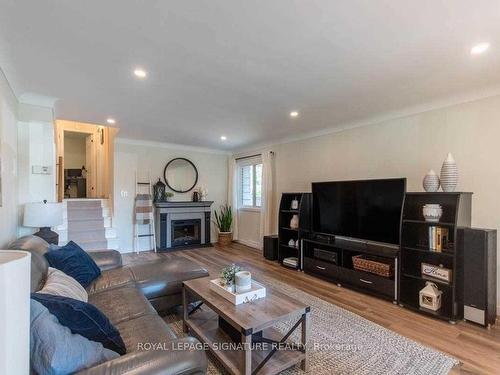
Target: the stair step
pixel 86 225
pixel 64 226
pixel 84 204
pixel 93 245
pixel 84 214
pixel 91 235
pixel 88 222
pixel 110 234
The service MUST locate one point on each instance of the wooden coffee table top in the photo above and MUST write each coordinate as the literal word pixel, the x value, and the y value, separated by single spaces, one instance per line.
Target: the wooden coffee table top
pixel 254 316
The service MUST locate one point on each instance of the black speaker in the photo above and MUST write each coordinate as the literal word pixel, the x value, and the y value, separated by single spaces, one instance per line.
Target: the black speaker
pixel 479 249
pixel 271 247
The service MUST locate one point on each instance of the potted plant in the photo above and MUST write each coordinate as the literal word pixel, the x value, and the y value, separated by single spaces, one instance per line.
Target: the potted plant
pixel 227 276
pixel 224 221
pixel 168 195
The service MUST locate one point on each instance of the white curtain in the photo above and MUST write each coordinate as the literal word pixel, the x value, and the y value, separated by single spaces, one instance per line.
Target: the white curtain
pixel 266 213
pixel 232 193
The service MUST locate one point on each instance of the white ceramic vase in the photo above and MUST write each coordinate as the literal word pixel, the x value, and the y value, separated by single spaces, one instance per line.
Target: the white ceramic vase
pixel 431 182
pixel 432 212
pixel 449 174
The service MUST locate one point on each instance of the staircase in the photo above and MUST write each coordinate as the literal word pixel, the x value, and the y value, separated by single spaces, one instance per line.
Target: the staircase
pixel 88 223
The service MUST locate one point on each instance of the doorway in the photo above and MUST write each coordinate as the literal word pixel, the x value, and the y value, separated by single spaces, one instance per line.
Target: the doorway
pixel 76 164
pixel 84 160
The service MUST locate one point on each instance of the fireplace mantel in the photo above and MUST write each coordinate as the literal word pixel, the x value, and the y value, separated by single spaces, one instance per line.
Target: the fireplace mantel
pixel 170 212
pixel 177 204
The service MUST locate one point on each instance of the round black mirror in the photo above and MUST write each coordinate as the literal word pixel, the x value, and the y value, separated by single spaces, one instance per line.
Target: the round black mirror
pixel 180 175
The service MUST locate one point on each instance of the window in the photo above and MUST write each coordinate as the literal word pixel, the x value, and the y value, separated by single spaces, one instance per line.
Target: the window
pixel 250 185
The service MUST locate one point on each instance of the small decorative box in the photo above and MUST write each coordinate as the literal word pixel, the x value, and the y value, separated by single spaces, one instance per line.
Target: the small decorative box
pixel 437 272
pixel 257 291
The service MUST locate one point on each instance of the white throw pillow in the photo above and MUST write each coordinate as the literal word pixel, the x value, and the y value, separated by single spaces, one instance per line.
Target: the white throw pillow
pixel 60 284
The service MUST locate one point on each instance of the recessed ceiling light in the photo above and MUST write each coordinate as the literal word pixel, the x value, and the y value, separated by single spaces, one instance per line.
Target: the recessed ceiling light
pixel 294 114
pixel 111 121
pixel 141 73
pixel 479 48
pixel 223 137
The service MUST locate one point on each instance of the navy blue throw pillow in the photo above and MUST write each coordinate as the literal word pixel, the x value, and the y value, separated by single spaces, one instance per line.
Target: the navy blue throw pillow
pixel 75 262
pixel 84 319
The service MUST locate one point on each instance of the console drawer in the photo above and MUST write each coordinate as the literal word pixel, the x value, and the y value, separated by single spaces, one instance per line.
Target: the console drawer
pixel 357 279
pixel 369 281
pixel 325 269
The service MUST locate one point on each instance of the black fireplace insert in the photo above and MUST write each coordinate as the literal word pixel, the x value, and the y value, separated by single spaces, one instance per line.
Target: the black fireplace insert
pixel 186 232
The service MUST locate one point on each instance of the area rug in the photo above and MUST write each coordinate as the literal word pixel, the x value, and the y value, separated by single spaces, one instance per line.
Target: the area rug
pixel 345 343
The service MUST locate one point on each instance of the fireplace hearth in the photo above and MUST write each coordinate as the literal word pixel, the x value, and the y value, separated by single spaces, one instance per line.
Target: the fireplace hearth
pixel 185 232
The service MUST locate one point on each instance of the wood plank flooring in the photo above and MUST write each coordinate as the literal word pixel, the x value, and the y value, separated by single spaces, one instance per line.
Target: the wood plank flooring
pixel 477 348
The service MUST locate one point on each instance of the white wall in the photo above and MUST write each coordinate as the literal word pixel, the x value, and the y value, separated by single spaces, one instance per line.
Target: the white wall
pixel 406 147
pixel 74 151
pixel 8 162
pixel 36 145
pixel 249 227
pixel 131 156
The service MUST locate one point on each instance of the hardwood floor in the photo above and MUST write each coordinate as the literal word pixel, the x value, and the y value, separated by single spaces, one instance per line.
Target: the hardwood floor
pixel 477 348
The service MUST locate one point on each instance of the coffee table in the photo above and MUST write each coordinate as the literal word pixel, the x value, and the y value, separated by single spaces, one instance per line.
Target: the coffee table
pixel 242 337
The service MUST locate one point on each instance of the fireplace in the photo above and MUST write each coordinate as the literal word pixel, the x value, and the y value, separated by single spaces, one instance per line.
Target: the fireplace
pixel 182 224
pixel 185 232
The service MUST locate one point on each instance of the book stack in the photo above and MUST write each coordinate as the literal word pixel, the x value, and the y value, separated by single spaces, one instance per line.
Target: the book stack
pixel 438 238
pixel 290 262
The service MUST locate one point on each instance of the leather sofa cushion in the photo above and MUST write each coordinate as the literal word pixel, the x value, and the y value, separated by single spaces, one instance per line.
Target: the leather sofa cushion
pixel 106 259
pixel 120 304
pixel 156 362
pixel 111 279
pixel 55 350
pixel 39 265
pixel 84 319
pixel 144 329
pixel 165 277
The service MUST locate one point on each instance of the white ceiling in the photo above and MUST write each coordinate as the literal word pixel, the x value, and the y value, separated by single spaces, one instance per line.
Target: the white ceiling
pixel 238 67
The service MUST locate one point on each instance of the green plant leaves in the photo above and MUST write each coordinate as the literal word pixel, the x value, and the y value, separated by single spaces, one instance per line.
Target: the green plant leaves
pixel 224 218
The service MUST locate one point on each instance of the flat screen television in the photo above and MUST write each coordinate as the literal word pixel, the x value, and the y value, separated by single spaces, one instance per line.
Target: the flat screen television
pixel 368 209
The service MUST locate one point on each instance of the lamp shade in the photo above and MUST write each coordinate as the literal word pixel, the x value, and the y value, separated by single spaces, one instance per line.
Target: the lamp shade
pixel 14 311
pixel 42 214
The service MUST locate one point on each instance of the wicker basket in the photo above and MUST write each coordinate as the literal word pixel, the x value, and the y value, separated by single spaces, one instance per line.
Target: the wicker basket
pixel 378 266
pixel 225 238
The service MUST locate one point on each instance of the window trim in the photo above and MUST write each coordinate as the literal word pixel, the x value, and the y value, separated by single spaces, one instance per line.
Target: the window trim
pixel 250 209
pixel 253 162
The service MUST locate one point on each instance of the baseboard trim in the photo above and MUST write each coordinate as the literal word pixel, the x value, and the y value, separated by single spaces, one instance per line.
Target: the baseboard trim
pixel 250 243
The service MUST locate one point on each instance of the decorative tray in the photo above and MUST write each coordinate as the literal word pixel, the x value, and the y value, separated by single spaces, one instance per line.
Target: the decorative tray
pixel 256 292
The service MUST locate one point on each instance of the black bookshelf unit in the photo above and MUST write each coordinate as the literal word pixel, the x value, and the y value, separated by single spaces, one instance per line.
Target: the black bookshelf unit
pixel 285 233
pixel 416 248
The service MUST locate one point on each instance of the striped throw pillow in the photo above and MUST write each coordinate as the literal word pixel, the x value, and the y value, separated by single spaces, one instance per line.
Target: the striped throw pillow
pixel 60 284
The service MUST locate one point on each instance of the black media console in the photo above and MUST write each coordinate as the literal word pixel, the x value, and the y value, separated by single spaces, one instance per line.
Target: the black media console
pixel 330 258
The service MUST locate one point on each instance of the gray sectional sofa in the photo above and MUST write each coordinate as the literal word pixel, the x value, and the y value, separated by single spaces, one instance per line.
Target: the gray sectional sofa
pixel 131 297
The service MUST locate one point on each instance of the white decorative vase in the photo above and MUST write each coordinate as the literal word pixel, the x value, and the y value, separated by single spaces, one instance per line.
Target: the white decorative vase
pixel 431 182
pixel 294 223
pixel 449 174
pixel 432 212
